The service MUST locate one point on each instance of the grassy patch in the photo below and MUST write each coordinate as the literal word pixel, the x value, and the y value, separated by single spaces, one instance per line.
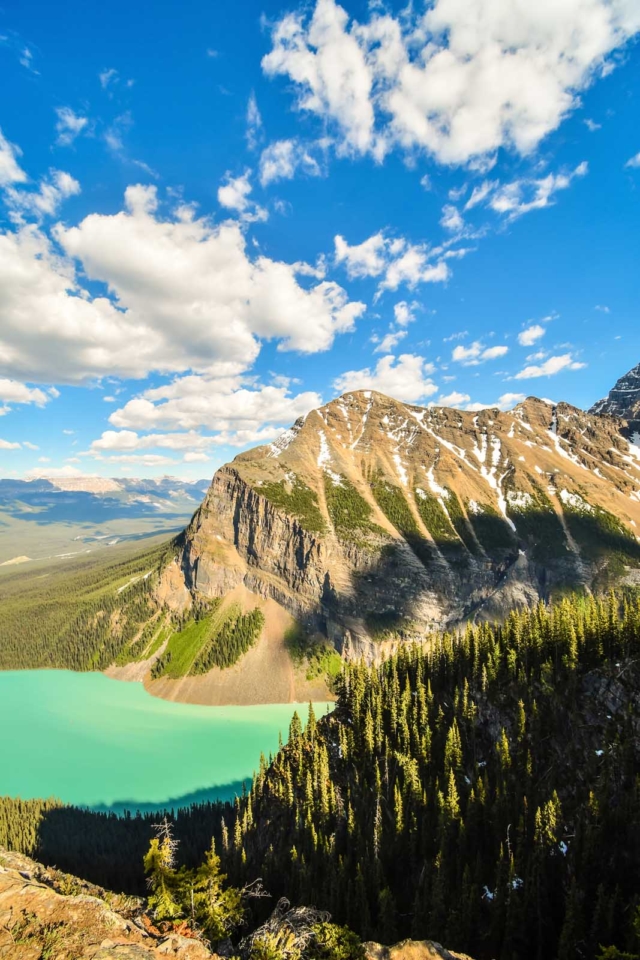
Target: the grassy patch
pixel 491 529
pixel 601 536
pixel 319 656
pixel 460 523
pixel 350 513
pixel 235 637
pixel 300 501
pixel 537 524
pixel 393 504
pixel 185 644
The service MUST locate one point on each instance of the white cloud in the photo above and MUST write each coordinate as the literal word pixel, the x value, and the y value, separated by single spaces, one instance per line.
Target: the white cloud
pixel 508 400
pixel 425 182
pixel 633 161
pixel 396 260
pixel 454 399
pixel 68 126
pixel 107 77
pixel 195 457
pixel 550 367
pixel 480 193
pixel 10 169
pixel 234 195
pixel 142 459
pixel 29 445
pixel 282 159
pixel 408 378
pixel 53 190
pixel 459 335
pixel 130 440
pixel 451 219
pixel 458 81
pixel 254 123
pixel 403 313
pixel 11 391
pixel 366 259
pixel 529 336
pixel 390 341
pixel 183 293
pixel 592 126
pixel 237 414
pixel 476 353
pixel 8 445
pixel 521 196
pixel 62 472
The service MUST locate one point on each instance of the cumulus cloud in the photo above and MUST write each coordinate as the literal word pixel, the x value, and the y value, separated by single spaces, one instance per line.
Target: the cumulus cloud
pixel 182 293
pixel 233 412
pixel 10 169
pixel 396 261
pixel 403 313
pixel 406 378
pixel 634 161
pixel 282 159
pixel 234 195
pixel 526 338
pixel 476 353
pixel 390 341
pixel 509 400
pixel 53 190
pixel 451 219
pixel 454 399
pixel 550 367
pixel 9 445
pixel 12 391
pixel 69 125
pixel 454 80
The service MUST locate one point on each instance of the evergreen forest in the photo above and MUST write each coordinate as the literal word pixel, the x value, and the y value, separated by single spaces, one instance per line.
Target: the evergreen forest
pixel 481 790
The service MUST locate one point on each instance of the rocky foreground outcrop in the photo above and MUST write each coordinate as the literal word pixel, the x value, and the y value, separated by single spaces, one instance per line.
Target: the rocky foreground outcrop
pixel 373 521
pixel 49 915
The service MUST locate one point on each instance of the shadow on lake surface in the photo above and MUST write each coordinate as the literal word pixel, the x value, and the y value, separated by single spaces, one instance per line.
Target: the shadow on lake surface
pixel 223 793
pixel 107 846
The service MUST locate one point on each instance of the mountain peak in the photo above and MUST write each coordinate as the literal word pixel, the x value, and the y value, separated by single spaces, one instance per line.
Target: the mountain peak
pixel 623 400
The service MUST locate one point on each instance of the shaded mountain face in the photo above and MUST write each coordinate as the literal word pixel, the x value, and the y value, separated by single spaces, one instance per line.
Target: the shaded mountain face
pixel 624 401
pixel 374 520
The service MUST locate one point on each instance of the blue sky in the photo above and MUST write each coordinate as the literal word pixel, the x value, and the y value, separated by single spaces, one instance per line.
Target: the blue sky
pixel 214 217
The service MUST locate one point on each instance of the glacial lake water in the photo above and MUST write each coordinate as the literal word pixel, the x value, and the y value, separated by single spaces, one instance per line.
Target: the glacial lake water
pixel 93 741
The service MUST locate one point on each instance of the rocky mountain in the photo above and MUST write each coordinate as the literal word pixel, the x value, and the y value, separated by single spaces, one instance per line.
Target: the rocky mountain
pixel 372 520
pixel 624 401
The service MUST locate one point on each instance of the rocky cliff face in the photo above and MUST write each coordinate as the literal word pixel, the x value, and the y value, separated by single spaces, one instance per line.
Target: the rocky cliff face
pixel 373 520
pixel 624 401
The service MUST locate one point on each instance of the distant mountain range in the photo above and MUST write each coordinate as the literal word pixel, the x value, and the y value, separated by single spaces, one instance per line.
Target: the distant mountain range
pixel 161 486
pixel 54 518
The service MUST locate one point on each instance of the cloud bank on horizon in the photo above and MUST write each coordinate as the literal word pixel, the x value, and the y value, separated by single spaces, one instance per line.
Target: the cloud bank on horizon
pixel 436 203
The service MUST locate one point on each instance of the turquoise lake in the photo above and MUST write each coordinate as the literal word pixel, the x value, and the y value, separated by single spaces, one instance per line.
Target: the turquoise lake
pixel 102 743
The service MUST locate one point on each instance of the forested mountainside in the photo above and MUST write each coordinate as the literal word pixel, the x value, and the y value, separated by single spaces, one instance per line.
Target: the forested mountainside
pixel 481 790
pixel 623 400
pixel 373 519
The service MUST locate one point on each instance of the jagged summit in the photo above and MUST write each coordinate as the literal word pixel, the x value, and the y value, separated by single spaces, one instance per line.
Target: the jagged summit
pixel 623 401
pixel 374 518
